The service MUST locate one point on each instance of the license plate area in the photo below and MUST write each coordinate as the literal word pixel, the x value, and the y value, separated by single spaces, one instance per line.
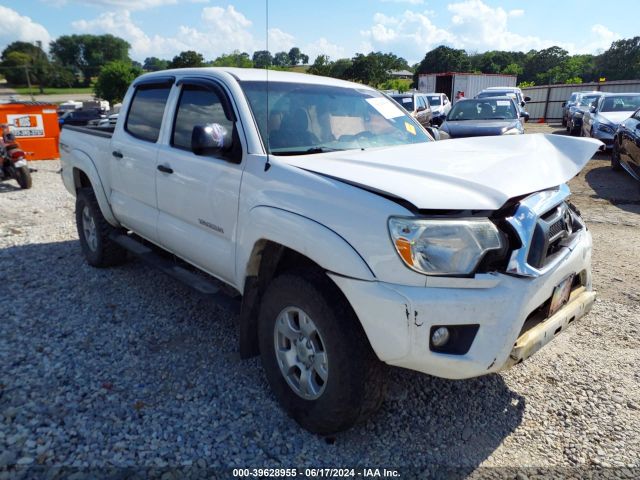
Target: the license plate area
pixel 561 295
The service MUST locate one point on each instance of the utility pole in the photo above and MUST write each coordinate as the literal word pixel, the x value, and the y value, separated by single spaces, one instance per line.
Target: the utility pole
pixel 26 71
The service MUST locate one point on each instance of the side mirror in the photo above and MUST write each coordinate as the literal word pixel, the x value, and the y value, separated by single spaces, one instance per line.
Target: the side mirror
pixel 210 139
pixel 527 99
pixel 564 104
pixel 436 133
pixel 523 103
pixel 592 108
pixel 421 109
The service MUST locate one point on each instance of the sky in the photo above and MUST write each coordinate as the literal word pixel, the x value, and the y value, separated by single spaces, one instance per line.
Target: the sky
pixel 337 28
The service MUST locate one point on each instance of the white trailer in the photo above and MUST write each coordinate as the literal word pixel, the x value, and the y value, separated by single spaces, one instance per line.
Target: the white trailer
pixel 470 83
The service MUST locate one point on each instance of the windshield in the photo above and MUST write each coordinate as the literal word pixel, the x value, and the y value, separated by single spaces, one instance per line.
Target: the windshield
pixel 588 100
pixel 615 103
pixel 305 118
pixel 405 102
pixel 483 109
pixel 434 100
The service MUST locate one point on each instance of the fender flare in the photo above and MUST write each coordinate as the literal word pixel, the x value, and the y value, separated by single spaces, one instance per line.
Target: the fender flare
pixel 299 233
pixel 83 162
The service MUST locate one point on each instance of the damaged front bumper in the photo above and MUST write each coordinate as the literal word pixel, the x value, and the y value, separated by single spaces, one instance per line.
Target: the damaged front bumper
pixel 399 320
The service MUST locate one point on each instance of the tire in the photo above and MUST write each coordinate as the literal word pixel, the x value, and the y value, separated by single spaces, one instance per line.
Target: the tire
pixel 355 378
pixel 98 248
pixel 23 177
pixel 615 156
pixel 564 122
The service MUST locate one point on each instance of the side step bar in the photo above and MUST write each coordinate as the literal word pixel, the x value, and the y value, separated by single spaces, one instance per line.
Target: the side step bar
pixel 207 287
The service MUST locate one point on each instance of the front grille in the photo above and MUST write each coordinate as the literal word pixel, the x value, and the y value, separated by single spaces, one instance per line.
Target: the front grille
pixel 556 229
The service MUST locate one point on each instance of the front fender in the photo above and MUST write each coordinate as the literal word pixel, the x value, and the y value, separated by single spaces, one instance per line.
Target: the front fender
pixel 78 161
pixel 301 234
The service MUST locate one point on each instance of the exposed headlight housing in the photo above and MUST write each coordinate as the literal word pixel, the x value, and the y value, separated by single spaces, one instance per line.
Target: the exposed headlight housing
pixel 603 127
pixel 512 131
pixel 444 246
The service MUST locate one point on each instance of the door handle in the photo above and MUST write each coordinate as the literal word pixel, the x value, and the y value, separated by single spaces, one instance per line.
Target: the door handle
pixel 117 154
pixel 165 169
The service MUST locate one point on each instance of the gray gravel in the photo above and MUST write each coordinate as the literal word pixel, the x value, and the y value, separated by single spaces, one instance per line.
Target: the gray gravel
pixel 125 367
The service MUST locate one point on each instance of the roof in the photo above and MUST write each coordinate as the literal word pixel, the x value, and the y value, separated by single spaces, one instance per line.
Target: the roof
pixel 469 73
pixel 258 74
pixel 401 72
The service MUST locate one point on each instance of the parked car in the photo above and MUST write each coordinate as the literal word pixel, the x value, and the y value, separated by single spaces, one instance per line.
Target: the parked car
pixel 625 152
pixel 440 107
pixel 577 110
pixel 417 105
pixel 603 118
pixel 349 235
pixel 473 117
pixel 514 92
pixel 573 100
pixel 79 117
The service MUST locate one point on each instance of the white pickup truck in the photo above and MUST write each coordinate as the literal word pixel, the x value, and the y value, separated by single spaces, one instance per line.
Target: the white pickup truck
pixel 351 237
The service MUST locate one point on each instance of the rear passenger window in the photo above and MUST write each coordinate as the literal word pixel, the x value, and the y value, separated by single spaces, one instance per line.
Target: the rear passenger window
pixel 145 114
pixel 198 106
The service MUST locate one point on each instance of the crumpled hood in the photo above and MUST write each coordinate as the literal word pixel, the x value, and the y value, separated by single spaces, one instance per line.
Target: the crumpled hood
pixel 479 173
pixel 615 118
pixel 478 128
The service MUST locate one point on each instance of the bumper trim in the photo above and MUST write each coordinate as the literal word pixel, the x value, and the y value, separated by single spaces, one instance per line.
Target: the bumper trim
pixel 531 341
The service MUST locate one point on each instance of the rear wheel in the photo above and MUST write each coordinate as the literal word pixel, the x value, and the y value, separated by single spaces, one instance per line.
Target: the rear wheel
pixel 23 177
pixel 94 232
pixel 615 156
pixel 315 355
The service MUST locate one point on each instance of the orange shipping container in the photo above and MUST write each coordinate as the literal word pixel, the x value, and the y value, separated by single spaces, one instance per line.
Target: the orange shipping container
pixel 35 125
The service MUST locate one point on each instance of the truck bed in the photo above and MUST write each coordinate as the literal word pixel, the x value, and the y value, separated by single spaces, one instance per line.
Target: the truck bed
pixel 105 132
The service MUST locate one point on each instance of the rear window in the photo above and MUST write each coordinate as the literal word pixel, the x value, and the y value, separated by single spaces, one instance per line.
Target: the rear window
pixel 434 99
pixel 406 102
pixel 145 114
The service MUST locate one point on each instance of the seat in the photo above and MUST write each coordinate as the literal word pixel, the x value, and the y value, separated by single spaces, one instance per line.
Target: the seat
pixel 293 131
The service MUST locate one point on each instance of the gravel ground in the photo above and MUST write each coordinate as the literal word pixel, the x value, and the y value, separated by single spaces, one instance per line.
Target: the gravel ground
pixel 124 367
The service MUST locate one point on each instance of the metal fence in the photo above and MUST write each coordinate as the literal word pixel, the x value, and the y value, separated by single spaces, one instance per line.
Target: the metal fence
pixel 546 100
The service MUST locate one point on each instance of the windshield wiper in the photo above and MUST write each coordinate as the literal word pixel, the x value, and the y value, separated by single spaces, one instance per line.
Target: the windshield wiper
pixel 309 151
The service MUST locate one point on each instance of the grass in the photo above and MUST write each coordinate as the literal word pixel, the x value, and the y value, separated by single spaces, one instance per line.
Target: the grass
pixel 52 91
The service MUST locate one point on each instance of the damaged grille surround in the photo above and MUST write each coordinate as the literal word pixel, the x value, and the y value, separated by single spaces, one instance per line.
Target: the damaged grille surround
pixel 547 227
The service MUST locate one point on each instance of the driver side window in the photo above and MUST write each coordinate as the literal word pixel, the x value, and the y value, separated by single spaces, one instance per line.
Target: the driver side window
pixel 197 106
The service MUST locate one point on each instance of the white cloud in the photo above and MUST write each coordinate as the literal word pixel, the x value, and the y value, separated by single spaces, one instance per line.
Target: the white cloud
pixel 410 34
pixel 223 28
pixel 599 40
pixel 280 41
pixel 14 26
pixel 324 47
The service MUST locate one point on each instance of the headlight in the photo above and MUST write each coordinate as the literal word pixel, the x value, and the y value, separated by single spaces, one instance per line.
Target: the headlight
pixel 603 127
pixel 512 131
pixel 443 247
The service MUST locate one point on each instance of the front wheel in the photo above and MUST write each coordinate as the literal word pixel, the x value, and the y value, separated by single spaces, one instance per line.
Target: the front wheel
pixel 615 156
pixel 23 177
pixel 315 354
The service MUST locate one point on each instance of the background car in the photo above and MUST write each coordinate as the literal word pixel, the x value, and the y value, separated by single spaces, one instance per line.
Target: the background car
pixel 578 109
pixel 475 117
pixel 417 105
pixel 603 118
pixel 79 117
pixel 625 152
pixel 573 100
pixel 514 92
pixel 440 107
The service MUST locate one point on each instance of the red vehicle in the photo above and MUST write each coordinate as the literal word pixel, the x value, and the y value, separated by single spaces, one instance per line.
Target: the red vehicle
pixel 13 158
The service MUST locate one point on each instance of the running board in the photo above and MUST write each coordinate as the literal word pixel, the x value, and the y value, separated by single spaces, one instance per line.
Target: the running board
pixel 209 288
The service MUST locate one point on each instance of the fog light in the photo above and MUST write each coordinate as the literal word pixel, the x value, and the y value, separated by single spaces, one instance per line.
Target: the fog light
pixel 440 337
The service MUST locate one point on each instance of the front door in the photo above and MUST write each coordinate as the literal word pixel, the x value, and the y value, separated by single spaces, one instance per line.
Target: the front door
pixel 133 160
pixel 198 194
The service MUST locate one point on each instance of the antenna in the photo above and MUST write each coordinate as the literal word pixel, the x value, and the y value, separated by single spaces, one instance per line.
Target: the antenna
pixel 267 165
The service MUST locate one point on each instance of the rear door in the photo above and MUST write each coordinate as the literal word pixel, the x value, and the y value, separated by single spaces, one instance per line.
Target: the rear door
pixel 631 141
pixel 134 154
pixel 198 194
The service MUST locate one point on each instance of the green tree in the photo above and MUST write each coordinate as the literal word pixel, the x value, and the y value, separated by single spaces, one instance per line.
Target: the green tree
pixel 154 64
pixel 87 54
pixel 297 57
pixel 321 66
pixel 18 57
pixel 187 59
pixel 444 59
pixel 512 69
pixel 281 59
pixel 262 59
pixel 374 67
pixel 341 68
pixel 234 59
pixel 538 63
pixel 621 61
pixel 114 80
